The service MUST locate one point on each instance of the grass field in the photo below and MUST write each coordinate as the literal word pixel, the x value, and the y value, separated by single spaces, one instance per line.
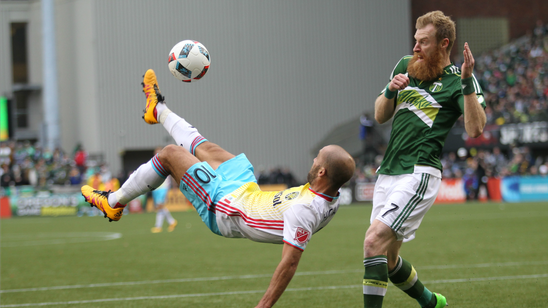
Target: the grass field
pixel 478 255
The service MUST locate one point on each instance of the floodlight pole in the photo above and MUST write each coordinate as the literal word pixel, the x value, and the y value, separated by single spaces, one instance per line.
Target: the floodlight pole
pixel 50 94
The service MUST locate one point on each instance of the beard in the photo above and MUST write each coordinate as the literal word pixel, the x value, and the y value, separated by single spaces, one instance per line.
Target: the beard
pixel 429 68
pixel 312 174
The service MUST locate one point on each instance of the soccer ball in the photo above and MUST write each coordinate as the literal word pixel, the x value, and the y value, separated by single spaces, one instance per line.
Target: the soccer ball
pixel 189 60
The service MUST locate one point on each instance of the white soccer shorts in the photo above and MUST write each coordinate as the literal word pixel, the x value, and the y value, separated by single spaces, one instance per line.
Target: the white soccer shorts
pixel 401 201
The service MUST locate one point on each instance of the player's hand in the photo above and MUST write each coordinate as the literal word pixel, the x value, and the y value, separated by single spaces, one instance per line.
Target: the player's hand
pixel 399 82
pixel 468 65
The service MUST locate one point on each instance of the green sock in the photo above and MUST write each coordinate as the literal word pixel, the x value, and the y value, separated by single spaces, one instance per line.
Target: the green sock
pixel 375 281
pixel 406 279
pixel 433 301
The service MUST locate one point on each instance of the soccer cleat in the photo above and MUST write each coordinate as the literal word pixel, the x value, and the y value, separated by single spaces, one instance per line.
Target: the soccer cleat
pixel 172 226
pixel 154 97
pixel 99 199
pixel 441 301
pixel 156 230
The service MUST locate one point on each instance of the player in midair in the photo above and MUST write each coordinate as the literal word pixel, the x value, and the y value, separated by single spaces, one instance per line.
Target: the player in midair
pixel 425 96
pixel 223 189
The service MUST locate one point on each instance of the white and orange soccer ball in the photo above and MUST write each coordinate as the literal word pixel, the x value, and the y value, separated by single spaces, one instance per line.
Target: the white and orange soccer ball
pixel 189 60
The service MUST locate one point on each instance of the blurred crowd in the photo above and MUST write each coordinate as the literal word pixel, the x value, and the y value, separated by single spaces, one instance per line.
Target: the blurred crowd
pixel 277 175
pixel 475 164
pixel 493 163
pixel 475 167
pixel 24 163
pixel 514 79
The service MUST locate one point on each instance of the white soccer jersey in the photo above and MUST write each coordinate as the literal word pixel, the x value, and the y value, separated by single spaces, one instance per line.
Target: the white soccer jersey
pixel 290 216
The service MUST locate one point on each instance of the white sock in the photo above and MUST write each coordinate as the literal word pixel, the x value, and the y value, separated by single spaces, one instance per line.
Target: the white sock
pixel 159 218
pixel 167 216
pixel 161 112
pixel 147 177
pixel 183 132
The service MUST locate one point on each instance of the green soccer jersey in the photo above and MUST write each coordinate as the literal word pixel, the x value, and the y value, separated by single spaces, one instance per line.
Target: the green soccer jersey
pixel 424 114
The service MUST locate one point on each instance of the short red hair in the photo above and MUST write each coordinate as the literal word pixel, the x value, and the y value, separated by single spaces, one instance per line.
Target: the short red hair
pixel 445 27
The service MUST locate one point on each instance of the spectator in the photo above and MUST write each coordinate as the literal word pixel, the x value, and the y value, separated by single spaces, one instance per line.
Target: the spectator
pixel 470 179
pixel 447 163
pixel 367 137
pixel 75 177
pixel 80 158
pixel 113 184
pixel 5 153
pixel 482 173
pixel 106 175
pixel 543 169
pixel 497 160
pixel 95 180
pixel 40 170
pixel 7 178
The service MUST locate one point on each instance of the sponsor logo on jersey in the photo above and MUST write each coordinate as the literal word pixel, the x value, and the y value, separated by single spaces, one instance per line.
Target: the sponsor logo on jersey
pixel 276 200
pixel 436 87
pixel 420 102
pixel 414 98
pixel 301 235
pixel 328 214
pixel 291 196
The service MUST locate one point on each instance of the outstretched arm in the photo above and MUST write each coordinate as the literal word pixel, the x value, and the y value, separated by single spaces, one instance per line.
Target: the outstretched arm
pixel 474 116
pixel 282 276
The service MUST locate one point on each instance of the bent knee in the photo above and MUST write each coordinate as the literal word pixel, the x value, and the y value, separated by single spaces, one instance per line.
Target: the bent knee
pixel 171 151
pixel 172 148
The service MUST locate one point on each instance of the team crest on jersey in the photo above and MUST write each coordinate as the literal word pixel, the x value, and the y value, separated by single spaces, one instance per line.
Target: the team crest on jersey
pixel 301 235
pixel 436 87
pixel 291 196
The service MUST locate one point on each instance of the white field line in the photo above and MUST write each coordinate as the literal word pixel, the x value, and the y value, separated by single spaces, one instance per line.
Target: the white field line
pixel 261 291
pixel 486 279
pixel 490 216
pixel 197 279
pixel 22 240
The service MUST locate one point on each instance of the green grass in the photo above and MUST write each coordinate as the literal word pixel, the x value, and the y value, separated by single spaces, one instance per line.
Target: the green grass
pixel 477 255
